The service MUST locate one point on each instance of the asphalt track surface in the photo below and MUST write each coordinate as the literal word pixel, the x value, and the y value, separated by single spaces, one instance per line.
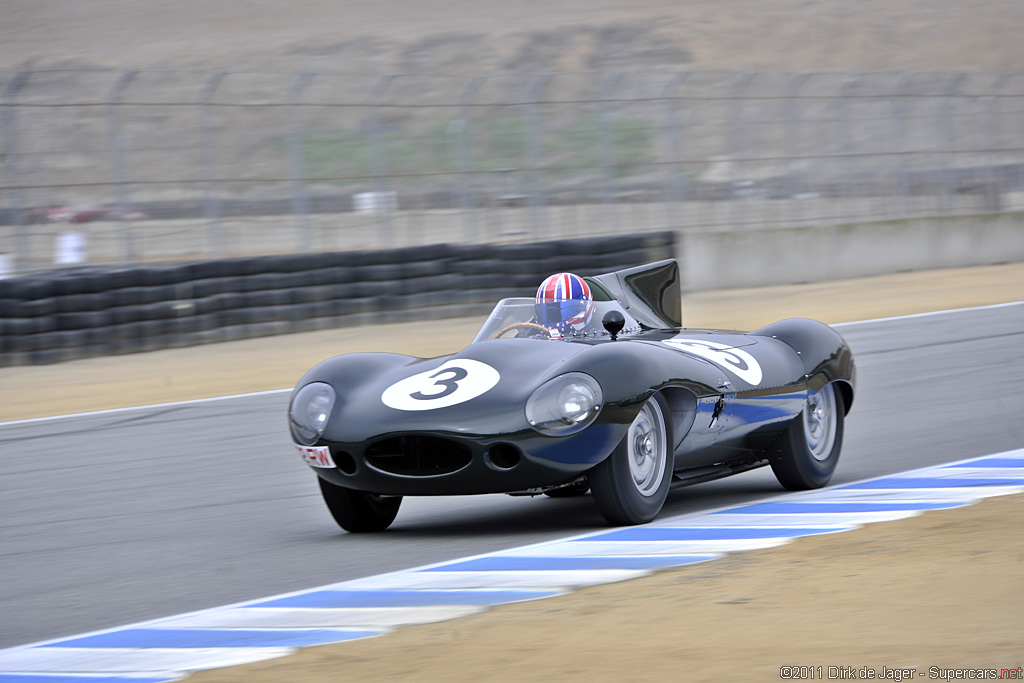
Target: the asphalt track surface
pixel 123 516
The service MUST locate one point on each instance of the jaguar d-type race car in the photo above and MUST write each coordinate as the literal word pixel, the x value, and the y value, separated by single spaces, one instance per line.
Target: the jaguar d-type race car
pixel 592 385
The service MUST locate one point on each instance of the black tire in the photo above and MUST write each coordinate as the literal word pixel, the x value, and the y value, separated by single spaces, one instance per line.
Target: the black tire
pixel 134 296
pixel 806 454
pixel 324 276
pixel 385 272
pixel 630 492
pixel 17 308
pixel 84 320
pixel 359 511
pixel 209 287
pixel 78 303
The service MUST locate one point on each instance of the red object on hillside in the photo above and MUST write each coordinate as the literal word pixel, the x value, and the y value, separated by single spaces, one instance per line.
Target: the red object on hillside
pixel 81 214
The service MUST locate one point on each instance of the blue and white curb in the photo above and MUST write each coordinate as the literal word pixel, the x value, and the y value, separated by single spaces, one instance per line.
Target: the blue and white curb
pixel 171 648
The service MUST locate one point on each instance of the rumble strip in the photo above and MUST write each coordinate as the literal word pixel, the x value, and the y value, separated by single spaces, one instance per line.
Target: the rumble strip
pixel 168 649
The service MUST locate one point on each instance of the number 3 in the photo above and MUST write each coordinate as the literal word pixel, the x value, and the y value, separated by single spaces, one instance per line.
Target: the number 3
pixel 451 384
pixel 737 361
pixel 454 382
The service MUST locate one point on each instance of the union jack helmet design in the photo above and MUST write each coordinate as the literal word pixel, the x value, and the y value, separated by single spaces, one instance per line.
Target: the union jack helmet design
pixel 564 303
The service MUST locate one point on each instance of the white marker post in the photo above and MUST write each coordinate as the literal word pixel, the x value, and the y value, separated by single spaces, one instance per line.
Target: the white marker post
pixel 70 248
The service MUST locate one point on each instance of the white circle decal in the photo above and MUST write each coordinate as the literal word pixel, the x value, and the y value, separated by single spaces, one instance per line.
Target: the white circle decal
pixel 453 382
pixel 736 361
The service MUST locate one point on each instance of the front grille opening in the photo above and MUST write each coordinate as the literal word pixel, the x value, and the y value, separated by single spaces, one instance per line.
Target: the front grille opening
pixel 418 456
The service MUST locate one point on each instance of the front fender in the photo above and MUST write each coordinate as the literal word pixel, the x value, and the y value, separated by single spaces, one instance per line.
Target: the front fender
pixel 353 368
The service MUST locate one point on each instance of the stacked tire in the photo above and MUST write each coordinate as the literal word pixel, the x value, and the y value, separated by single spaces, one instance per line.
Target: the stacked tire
pixel 96 311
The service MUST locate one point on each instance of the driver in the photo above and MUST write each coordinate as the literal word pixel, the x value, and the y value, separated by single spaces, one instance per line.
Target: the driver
pixel 564 305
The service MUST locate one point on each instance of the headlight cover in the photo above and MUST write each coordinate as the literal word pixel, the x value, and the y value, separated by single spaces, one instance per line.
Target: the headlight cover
pixel 310 410
pixel 565 404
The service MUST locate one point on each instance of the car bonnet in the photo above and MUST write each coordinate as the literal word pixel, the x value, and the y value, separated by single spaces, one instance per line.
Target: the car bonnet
pixel 482 390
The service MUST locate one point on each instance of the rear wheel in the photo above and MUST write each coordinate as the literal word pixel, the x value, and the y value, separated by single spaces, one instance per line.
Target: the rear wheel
pixel 807 453
pixel 630 485
pixel 359 511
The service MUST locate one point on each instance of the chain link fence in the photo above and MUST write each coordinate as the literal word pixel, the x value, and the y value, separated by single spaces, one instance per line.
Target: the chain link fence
pixel 170 165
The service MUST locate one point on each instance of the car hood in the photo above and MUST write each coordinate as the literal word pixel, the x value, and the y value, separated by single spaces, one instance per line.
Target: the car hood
pixel 481 390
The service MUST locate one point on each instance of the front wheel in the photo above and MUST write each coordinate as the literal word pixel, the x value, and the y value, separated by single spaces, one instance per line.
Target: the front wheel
pixel 359 511
pixel 807 453
pixel 630 486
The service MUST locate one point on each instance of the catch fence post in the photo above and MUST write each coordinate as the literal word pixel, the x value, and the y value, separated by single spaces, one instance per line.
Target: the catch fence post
pixel 463 154
pixel 117 147
pixel 212 199
pixel 843 133
pixel 735 142
pixel 378 160
pixel 1018 186
pixel 946 130
pixel 297 162
pixel 792 145
pixel 606 143
pixel 9 125
pixel 993 196
pixel 897 114
pixel 537 198
pixel 674 190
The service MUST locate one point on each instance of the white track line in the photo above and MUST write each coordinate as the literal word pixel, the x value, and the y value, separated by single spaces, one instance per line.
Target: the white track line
pixel 928 314
pixel 152 406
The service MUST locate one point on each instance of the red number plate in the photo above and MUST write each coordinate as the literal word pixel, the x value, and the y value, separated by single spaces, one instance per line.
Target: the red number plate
pixel 316 456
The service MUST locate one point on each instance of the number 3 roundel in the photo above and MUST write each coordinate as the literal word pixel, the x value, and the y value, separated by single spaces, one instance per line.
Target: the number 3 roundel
pixel 454 382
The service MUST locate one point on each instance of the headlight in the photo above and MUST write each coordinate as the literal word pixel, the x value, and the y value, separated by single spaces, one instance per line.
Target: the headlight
pixel 310 410
pixel 565 404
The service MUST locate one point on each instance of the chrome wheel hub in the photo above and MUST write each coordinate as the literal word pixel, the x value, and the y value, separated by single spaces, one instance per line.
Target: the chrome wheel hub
pixel 820 422
pixel 647 449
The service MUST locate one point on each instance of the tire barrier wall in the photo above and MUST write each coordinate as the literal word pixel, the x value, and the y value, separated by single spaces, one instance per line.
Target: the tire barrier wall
pixel 96 311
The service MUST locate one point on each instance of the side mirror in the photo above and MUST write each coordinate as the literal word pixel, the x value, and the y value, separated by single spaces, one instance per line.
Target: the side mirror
pixel 613 322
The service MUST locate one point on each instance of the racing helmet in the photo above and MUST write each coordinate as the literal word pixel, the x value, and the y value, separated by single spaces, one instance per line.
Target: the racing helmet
pixel 564 303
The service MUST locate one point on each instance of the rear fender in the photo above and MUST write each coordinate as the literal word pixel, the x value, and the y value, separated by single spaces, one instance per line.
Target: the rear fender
pixel 825 355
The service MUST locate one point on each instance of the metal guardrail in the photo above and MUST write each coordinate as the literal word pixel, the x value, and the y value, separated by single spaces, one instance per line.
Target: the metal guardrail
pixel 191 164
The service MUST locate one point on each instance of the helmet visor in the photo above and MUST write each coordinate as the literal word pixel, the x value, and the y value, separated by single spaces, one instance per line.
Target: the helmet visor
pixel 551 312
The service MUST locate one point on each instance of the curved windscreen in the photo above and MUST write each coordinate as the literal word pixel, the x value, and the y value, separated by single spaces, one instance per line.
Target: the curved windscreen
pixel 524 317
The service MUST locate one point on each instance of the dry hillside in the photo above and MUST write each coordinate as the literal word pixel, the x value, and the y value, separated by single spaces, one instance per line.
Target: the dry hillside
pixel 459 36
